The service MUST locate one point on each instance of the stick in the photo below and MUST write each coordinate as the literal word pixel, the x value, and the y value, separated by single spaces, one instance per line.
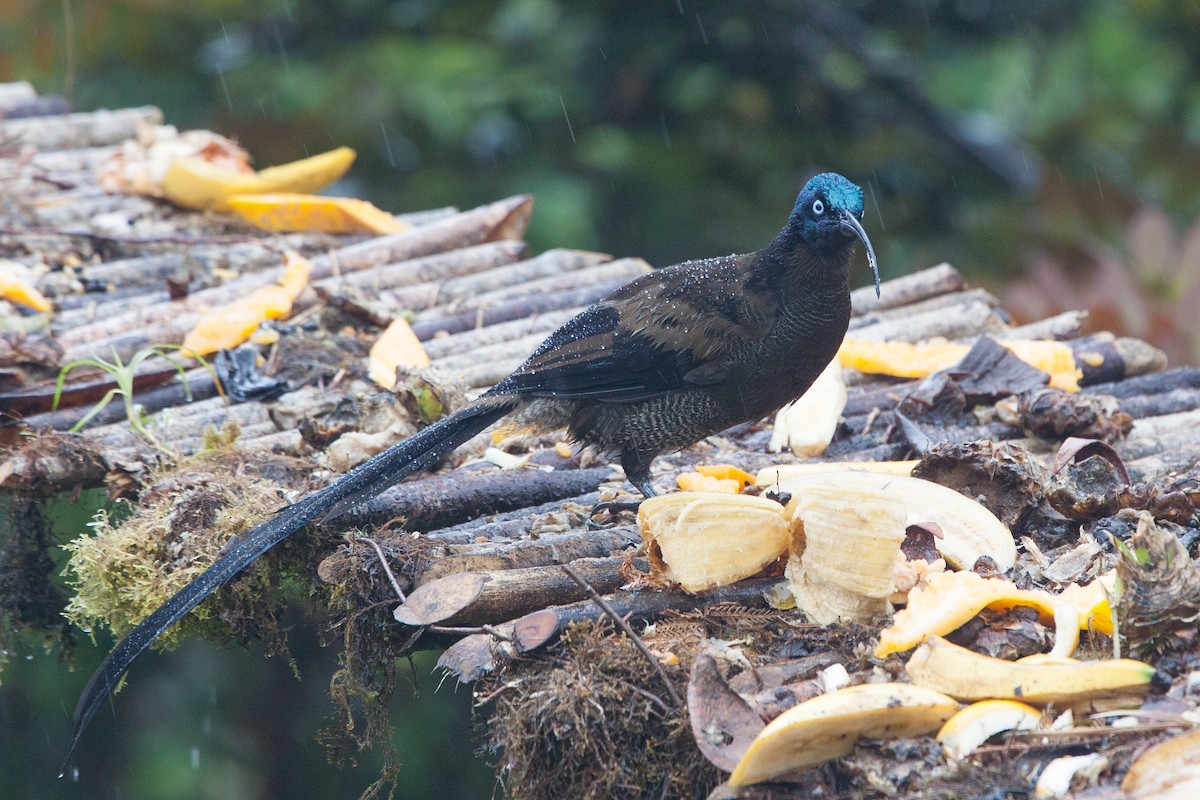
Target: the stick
pixel 88 129
pixel 479 598
pixel 620 622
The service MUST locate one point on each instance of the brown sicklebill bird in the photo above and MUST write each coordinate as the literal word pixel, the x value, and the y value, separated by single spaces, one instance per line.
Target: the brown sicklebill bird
pixel 670 358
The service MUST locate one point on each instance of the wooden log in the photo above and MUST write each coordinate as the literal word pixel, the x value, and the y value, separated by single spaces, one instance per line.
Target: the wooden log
pixel 499 334
pixel 503 219
pixel 489 365
pixel 85 129
pixel 967 321
pixel 46 465
pixel 1155 435
pixel 169 395
pixel 1157 405
pixel 477 654
pixel 515 309
pixel 178 430
pixel 563 548
pixel 1066 325
pixel 1179 459
pixel 512 524
pixel 451 289
pixel 623 269
pixel 459 495
pixel 967 298
pixel 421 276
pixel 482 598
pixel 1103 357
pixel 907 289
pixel 1178 378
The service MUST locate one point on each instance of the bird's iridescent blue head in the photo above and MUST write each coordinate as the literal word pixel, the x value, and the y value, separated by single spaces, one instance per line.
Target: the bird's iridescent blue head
pixel 828 213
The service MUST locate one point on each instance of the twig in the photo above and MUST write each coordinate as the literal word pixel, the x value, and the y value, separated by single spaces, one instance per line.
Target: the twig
pixel 624 626
pixel 470 631
pixel 386 568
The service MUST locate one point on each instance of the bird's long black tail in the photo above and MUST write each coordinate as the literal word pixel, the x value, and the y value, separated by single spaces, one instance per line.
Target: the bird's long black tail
pixel 418 452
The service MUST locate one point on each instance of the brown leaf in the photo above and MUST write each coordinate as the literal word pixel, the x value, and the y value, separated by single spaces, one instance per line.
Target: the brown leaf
pixel 723 723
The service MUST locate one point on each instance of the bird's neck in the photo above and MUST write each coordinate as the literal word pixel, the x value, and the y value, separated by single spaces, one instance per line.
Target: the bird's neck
pixel 789 264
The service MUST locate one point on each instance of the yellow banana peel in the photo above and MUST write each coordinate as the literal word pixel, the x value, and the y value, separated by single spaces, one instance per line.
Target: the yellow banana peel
pixel 980 721
pixel 289 211
pixel 950 599
pixel 397 346
pixel 964 674
pixel 828 726
pixel 195 183
pixel 230 325
pixel 969 530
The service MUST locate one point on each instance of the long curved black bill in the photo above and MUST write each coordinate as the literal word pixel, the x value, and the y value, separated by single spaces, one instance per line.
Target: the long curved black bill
pixel 848 222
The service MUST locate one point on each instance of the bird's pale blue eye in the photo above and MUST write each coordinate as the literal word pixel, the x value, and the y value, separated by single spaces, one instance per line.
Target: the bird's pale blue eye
pixel 818 207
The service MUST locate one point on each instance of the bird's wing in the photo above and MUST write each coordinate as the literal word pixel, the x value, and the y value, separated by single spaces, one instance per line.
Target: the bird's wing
pixel 644 340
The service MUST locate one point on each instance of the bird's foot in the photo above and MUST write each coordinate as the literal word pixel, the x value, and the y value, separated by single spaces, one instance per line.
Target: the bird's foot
pixel 608 511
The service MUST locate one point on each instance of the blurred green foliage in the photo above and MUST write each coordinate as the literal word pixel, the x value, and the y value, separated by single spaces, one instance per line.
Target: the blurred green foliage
pixel 1025 141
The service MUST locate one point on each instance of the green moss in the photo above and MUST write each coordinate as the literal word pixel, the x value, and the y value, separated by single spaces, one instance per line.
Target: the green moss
pixel 126 570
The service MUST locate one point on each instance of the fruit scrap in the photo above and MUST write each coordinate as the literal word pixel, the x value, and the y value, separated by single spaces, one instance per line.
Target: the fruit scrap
pixel 230 325
pixel 1058 776
pixel 140 164
pixel 15 287
pixel 969 530
pixel 840 569
pixel 828 726
pixel 195 183
pixel 284 211
pixel 950 599
pixel 908 360
pixel 396 347
pixel 724 478
pixel 807 425
pixel 945 667
pixel 980 721
pixel 702 540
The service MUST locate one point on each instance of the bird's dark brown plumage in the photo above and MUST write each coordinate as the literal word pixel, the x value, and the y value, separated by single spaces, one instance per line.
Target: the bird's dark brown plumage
pixel 666 360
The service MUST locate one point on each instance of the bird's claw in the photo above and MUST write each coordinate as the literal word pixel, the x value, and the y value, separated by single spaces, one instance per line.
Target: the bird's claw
pixel 610 508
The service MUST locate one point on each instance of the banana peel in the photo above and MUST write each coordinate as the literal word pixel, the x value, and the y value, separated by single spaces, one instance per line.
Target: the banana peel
pixel 969 530
pixel 921 359
pixel 950 599
pixel 702 540
pixel 197 184
pixel 978 722
pixel 396 347
pixel 828 726
pixel 289 211
pixel 230 325
pixel 966 675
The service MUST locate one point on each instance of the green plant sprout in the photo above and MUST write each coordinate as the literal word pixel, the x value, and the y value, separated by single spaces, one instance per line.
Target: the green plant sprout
pixel 123 375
